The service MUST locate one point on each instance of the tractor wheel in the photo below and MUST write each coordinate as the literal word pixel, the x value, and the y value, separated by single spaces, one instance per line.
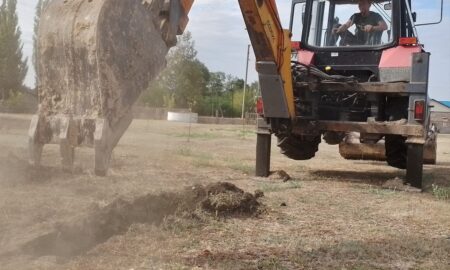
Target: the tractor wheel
pixel 298 147
pixel 396 151
pixel 333 138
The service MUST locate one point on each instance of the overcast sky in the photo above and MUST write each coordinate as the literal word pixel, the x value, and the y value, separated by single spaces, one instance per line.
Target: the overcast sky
pixel 221 40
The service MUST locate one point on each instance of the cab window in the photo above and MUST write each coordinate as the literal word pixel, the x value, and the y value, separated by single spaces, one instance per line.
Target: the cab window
pixel 337 23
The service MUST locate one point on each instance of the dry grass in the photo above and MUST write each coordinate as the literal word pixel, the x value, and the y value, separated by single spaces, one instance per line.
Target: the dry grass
pixel 336 215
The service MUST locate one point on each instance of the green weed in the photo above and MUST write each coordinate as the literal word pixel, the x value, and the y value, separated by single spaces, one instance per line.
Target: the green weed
pixel 242 167
pixel 184 151
pixel 277 187
pixel 271 263
pixel 201 136
pixel 441 193
pixel 381 191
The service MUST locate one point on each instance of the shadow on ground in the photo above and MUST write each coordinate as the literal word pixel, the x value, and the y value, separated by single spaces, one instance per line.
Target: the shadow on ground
pixel 433 174
pixel 392 253
pixel 368 177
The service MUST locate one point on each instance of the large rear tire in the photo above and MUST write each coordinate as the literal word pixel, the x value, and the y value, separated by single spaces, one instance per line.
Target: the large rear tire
pixel 396 151
pixel 298 147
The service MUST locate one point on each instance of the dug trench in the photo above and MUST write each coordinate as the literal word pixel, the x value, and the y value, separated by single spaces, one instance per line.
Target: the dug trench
pixel 70 239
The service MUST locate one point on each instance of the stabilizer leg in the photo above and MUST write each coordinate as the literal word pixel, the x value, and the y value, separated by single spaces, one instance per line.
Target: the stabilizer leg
pixel 263 147
pixel 414 165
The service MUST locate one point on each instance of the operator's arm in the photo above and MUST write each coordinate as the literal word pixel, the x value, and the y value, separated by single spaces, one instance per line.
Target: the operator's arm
pixel 382 26
pixel 345 26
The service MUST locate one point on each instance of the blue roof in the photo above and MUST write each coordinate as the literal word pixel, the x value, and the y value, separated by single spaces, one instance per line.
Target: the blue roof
pixel 446 103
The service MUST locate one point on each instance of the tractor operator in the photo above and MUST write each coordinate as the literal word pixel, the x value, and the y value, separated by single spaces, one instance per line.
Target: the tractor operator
pixel 369 27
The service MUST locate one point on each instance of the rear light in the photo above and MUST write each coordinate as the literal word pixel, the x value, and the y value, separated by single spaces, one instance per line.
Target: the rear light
pixel 296 45
pixel 408 41
pixel 259 106
pixel 419 110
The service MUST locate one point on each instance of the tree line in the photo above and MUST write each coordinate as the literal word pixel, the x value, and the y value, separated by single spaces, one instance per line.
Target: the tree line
pixel 186 83
pixel 13 66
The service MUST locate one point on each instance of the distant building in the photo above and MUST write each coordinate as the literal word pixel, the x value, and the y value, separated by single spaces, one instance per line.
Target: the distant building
pixel 440 115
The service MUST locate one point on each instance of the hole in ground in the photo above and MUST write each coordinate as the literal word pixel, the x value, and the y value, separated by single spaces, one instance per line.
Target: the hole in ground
pixel 75 238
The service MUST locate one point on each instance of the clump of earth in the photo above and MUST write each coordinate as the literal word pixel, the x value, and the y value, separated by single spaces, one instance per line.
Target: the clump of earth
pixel 78 236
pixel 225 198
pixel 280 175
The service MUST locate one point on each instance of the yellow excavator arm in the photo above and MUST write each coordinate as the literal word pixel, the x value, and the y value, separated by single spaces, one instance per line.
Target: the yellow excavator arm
pixel 272 47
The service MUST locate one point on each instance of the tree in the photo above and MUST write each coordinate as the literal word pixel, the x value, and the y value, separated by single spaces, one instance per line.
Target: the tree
pixel 13 67
pixel 216 87
pixel 187 83
pixel 251 95
pixel 230 103
pixel 183 83
pixel 3 53
pixel 41 5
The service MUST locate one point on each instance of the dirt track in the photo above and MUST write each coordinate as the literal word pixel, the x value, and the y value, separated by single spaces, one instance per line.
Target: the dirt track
pixel 336 215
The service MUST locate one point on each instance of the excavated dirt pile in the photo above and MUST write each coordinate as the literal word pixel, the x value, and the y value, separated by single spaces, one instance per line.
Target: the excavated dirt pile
pixel 78 236
pixel 226 198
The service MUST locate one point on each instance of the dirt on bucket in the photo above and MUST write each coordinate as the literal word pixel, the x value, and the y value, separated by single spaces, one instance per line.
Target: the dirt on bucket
pixel 78 236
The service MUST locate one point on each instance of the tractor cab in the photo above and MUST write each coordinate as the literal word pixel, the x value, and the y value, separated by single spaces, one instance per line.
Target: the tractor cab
pixel 317 24
pixel 355 37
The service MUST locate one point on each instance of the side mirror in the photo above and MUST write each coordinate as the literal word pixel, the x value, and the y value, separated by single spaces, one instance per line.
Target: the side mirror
pixel 435 22
pixel 388 6
pixel 414 16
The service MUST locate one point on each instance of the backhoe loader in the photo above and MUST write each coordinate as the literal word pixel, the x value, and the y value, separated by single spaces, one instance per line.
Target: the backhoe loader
pixel 97 56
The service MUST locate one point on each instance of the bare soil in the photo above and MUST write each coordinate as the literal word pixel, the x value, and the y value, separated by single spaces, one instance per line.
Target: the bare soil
pixel 75 237
pixel 174 203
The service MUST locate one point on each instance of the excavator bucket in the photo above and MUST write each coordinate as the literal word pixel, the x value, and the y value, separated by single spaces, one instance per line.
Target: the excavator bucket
pixel 94 60
pixel 351 148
